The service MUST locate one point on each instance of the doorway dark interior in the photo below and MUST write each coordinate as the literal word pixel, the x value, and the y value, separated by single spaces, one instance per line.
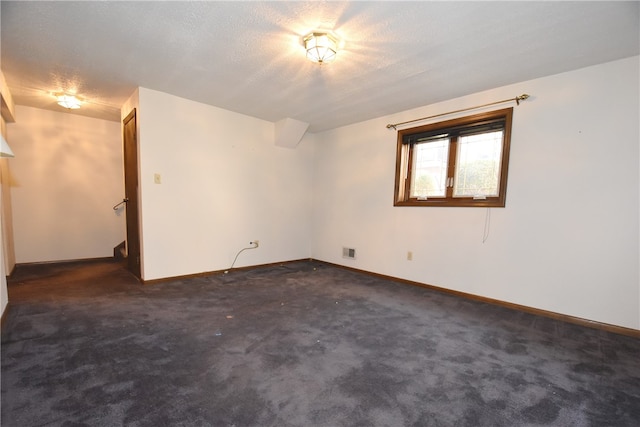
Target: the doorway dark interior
pixel 131 192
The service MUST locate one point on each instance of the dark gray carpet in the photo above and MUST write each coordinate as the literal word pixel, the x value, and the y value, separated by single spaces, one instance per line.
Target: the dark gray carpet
pixel 302 344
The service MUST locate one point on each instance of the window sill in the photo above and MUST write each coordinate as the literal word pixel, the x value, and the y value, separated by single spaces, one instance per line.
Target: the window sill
pixel 462 203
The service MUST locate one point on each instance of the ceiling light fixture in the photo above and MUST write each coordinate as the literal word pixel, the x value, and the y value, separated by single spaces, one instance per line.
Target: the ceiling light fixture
pixel 68 101
pixel 321 47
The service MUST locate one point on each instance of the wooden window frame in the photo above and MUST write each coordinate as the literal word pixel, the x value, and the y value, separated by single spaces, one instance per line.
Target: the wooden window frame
pixel 404 152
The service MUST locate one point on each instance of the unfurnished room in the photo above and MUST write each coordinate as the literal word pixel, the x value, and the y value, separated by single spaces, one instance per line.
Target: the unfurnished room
pixel 320 213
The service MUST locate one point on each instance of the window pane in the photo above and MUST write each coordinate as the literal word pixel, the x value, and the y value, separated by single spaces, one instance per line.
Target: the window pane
pixel 478 165
pixel 430 169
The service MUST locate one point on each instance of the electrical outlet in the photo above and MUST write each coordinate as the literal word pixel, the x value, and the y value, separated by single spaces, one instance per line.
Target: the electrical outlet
pixel 409 256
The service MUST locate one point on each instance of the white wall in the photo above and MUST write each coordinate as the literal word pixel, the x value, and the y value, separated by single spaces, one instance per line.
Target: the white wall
pixel 7 252
pixel 223 184
pixel 568 239
pixel 7 258
pixel 67 174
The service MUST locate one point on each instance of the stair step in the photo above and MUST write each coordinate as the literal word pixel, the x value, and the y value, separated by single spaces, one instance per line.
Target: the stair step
pixel 120 251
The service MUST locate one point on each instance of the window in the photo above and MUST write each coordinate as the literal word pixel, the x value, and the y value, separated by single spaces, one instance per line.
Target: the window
pixel 459 162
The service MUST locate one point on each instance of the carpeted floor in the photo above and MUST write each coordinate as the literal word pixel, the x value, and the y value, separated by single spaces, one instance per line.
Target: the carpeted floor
pixel 302 344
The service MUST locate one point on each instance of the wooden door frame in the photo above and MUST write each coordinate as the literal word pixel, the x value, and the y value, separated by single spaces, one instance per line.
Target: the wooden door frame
pixel 131 185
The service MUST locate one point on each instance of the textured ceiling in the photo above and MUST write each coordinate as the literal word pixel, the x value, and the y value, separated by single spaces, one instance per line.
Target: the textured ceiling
pixel 247 57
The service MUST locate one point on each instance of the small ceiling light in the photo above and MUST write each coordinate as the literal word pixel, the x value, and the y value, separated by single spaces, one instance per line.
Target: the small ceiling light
pixel 68 101
pixel 321 47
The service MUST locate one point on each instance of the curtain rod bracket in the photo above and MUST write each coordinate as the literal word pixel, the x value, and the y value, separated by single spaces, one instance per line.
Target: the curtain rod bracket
pixel 521 98
pixel 517 99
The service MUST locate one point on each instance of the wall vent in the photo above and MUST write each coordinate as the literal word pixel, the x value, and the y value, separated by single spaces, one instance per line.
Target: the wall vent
pixel 349 253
